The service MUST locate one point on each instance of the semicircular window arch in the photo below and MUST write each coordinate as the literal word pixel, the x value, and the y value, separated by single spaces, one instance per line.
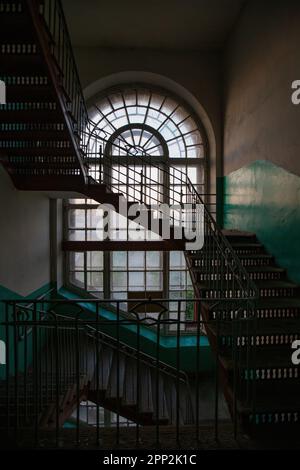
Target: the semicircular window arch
pixel 149 117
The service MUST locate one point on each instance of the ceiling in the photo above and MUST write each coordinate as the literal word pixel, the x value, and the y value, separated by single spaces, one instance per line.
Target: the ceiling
pixel 155 24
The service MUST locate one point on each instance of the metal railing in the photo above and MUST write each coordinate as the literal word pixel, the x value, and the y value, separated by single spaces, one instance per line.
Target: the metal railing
pixel 52 13
pixel 71 357
pixel 126 174
pixel 140 186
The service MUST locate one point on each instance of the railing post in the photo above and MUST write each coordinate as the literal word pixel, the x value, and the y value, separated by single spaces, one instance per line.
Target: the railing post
pixel 16 370
pixel 7 364
pixel 177 372
pixel 35 377
pixel 97 377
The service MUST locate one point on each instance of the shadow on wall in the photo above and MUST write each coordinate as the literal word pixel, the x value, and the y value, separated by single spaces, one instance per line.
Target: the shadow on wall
pixel 265 199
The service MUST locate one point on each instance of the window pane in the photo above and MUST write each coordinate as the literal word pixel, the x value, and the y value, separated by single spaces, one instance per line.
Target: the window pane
pixel 94 235
pixel 177 279
pixel 94 260
pixel 153 259
pixel 94 216
pixel 77 279
pixel 154 280
pixel 76 235
pixel 136 281
pixel 119 281
pixel 76 218
pixel 136 259
pixel 95 281
pixel 76 261
pixel 119 260
pixel 177 260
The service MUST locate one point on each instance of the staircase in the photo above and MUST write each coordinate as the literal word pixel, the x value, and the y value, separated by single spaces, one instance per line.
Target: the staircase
pixel 250 308
pixel 266 381
pixel 44 115
pixel 75 363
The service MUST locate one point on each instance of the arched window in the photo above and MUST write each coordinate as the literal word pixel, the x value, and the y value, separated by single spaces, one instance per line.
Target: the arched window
pixel 146 114
pixel 144 131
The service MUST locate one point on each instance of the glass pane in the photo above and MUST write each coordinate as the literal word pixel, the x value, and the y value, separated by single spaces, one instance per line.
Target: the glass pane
pixel 94 216
pixel 94 260
pixel 177 280
pixel 95 281
pixel 76 235
pixel 77 218
pixel 136 280
pixel 154 280
pixel 77 278
pixel 195 152
pixel 94 235
pixel 136 259
pixel 153 259
pixel 119 281
pixel 177 260
pixel 76 201
pixel 76 261
pixel 192 174
pixel 119 260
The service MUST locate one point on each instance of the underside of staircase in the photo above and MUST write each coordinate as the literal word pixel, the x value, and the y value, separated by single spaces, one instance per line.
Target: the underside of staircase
pixel 132 384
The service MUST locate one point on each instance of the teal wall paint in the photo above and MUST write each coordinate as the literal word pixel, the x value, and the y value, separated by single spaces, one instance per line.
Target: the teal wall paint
pixel 127 334
pixel 265 199
pixel 148 338
pixel 7 294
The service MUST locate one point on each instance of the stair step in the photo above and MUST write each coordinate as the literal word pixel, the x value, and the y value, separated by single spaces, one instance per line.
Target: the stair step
pixel 15 28
pixel 271 288
pixel 257 259
pixel 247 248
pixel 29 136
pixel 11 8
pixel 44 167
pixel 270 365
pixel 256 273
pixel 239 236
pixel 29 115
pixel 28 63
pixel 272 399
pixel 265 334
pixel 15 93
pixel 280 308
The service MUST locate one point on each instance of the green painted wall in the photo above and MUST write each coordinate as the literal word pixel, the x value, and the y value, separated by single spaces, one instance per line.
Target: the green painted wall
pixel 128 334
pixel 7 294
pixel 265 198
pixel 148 338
